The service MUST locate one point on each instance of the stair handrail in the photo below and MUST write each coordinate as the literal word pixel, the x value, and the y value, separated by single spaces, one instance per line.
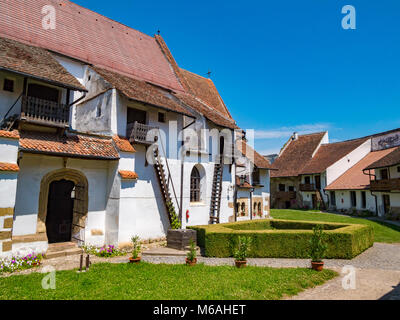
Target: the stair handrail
pixel 12 107
pixel 169 171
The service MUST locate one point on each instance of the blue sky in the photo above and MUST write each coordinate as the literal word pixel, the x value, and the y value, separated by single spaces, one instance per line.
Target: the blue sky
pixel 284 66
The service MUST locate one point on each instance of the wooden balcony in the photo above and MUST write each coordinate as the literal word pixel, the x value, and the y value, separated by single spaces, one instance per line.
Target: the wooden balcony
pixel 286 195
pixel 44 112
pixel 141 133
pixel 385 185
pixel 310 187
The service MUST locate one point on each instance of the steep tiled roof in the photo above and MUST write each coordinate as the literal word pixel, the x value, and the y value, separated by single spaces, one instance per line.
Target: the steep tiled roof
pixel 123 144
pixel 354 178
pixel 128 175
pixel 253 155
pixel 36 62
pixel 391 159
pixel 9 167
pixel 88 36
pixel 142 91
pixel 9 134
pixel 328 154
pixel 72 145
pixel 296 155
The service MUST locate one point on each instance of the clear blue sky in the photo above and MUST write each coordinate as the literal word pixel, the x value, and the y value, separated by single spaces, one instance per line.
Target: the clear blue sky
pixel 284 66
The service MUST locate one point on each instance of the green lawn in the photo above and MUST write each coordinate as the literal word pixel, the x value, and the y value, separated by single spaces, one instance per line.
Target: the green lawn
pixel 384 232
pixel 157 282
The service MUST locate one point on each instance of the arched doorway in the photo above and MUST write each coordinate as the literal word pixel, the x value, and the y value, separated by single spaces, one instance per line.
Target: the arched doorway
pixel 60 211
pixel 63 190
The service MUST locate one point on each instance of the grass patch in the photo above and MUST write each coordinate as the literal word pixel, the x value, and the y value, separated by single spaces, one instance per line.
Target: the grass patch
pixel 383 232
pixel 145 281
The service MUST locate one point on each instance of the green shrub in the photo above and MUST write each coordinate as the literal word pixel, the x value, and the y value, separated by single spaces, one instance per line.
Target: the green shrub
pixel 192 254
pixel 243 249
pixel 284 238
pixel 318 246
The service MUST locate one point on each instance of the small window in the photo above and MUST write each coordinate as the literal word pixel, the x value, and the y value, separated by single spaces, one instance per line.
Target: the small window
pixel 195 185
pixel 307 180
pixel 363 199
pixel 8 85
pixel 398 169
pixel 353 197
pixel 291 188
pixel 161 117
pixel 281 187
pixel 384 174
pixel 98 110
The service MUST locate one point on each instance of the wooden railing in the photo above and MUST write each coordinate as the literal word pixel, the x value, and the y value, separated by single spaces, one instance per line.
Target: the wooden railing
pixel 307 187
pixel 385 185
pixel 141 133
pixel 44 112
pixel 286 195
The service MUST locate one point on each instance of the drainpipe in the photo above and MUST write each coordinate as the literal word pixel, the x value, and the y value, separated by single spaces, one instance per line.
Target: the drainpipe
pixel 251 203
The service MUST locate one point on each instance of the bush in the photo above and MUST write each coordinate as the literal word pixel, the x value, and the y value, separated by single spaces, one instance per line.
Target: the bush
pixel 136 247
pixel 243 249
pixel 284 238
pixel 318 246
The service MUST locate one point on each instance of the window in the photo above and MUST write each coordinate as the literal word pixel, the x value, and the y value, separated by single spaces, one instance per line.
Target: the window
pixel 398 169
pixel 8 85
pixel 363 199
pixel 281 187
pixel 353 198
pixel 195 185
pixel 135 115
pixel 161 117
pixel 384 174
pixel 259 208
pixel 291 188
pixel 242 209
pixel 333 198
pixel 256 177
pixel 307 180
pixel 98 110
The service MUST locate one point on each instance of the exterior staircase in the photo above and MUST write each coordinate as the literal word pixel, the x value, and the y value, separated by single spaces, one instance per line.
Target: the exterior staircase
pixel 65 249
pixel 320 199
pixel 164 185
pixel 216 195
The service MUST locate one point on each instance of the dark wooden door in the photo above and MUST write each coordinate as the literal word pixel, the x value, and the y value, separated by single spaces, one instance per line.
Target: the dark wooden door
pixel 135 115
pixel 318 182
pixel 60 209
pixel 386 203
pixel 314 201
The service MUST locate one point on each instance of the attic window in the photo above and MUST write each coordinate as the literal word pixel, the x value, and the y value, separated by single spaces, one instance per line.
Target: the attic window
pixel 98 110
pixel 398 169
pixel 8 85
pixel 161 117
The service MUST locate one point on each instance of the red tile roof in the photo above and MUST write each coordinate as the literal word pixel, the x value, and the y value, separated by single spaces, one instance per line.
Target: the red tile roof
pixel 354 178
pixel 70 145
pixel 330 153
pixel 128 175
pixel 9 167
pixel 123 144
pixel 142 91
pixel 35 62
pixel 253 155
pixel 9 134
pixel 245 185
pixel 296 155
pixel 391 159
pixel 88 36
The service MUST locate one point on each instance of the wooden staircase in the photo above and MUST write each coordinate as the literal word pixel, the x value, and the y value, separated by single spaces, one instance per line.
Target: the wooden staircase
pixel 164 184
pixel 216 195
pixel 320 199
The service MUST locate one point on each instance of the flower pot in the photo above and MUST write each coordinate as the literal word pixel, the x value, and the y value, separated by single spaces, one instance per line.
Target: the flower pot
pixel 36 264
pixel 134 260
pixel 317 266
pixel 240 264
pixel 191 263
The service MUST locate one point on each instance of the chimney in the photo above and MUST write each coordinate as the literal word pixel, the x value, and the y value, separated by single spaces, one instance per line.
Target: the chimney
pixel 295 136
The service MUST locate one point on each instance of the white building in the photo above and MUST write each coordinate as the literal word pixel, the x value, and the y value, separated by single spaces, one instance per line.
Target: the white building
pixel 98 144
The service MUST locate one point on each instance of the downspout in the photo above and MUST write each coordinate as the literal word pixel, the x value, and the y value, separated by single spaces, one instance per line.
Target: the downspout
pixel 182 172
pixel 374 195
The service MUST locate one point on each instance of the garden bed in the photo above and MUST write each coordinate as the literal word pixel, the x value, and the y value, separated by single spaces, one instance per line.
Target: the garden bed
pixel 284 238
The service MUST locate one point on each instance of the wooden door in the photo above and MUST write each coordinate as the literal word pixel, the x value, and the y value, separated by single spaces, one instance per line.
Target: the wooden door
pixel 60 209
pixel 318 182
pixel 386 203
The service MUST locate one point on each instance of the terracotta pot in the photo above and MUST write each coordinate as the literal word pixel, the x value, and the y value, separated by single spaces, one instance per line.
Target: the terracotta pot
pixel 135 260
pixel 317 266
pixel 191 263
pixel 240 264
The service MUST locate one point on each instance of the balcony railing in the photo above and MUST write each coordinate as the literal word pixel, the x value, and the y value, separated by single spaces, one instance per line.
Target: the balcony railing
pixel 141 133
pixel 385 185
pixel 44 112
pixel 307 187
pixel 286 195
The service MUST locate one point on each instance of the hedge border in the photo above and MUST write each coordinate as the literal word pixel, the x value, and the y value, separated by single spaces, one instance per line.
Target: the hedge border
pixel 345 241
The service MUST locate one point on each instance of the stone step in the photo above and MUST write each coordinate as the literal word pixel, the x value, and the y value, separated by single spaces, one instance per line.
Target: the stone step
pixel 65 253
pixel 56 247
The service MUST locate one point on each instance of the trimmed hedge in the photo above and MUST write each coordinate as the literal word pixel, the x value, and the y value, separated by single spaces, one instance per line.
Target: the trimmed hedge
pixel 284 238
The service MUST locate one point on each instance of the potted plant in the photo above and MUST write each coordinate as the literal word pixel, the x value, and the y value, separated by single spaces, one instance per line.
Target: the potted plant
pixel 191 259
pixel 242 252
pixel 318 248
pixel 136 250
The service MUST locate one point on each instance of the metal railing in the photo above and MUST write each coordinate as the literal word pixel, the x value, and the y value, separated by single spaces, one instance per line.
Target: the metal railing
pixel 44 111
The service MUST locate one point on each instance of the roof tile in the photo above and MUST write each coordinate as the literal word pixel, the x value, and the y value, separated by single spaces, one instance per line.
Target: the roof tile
pixel 391 159
pixel 9 167
pixel 128 175
pixel 123 144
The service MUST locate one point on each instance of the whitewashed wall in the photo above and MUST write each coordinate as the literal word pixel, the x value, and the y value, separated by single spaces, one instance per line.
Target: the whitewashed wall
pixel 343 200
